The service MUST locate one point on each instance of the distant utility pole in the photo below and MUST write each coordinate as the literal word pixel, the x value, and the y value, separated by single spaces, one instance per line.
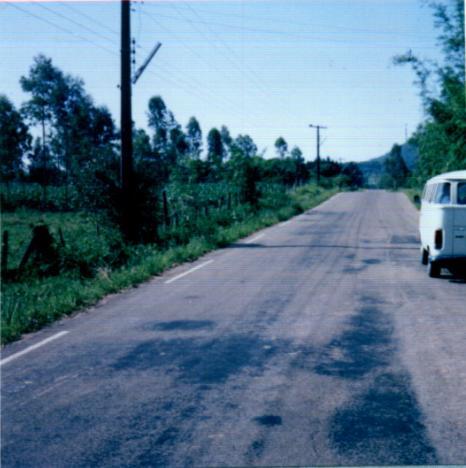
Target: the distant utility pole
pixel 318 127
pixel 126 124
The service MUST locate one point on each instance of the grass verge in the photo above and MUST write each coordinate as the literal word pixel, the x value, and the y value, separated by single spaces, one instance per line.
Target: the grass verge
pixel 414 195
pixel 28 306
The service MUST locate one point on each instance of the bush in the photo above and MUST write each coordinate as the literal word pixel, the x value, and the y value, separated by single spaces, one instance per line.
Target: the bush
pixel 96 262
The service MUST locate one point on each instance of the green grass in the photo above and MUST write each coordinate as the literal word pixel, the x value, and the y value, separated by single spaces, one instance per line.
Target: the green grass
pixel 35 302
pixel 74 226
pixel 411 194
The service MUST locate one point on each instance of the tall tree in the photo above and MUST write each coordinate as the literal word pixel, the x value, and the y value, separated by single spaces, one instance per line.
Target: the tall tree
pixel 46 85
pixel 169 140
pixel 243 145
pixel 301 171
pixel 328 167
pixel 354 174
pixel 396 171
pixel 281 146
pixel 15 140
pixel 297 154
pixel 194 138
pixel 178 145
pixel 75 133
pixel 142 149
pixel 159 121
pixel 39 168
pixel 227 140
pixel 442 137
pixel 215 150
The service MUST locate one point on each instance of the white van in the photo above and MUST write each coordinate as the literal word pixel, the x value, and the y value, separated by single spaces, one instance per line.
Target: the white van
pixel 442 223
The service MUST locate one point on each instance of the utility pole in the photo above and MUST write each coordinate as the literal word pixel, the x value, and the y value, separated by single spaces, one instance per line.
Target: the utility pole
pixel 318 127
pixel 126 124
pixel 129 215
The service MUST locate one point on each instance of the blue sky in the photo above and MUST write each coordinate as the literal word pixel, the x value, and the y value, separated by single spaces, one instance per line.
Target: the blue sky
pixel 265 68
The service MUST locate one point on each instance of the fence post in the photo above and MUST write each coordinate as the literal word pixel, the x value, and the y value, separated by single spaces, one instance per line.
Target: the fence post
pixel 5 254
pixel 166 218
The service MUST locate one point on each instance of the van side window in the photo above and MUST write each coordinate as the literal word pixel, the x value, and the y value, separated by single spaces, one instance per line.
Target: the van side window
pixel 442 194
pixel 461 193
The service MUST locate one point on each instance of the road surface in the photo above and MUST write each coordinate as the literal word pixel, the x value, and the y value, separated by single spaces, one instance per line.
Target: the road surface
pixel 317 341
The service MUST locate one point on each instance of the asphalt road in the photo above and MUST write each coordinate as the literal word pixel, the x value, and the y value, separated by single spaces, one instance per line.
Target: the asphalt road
pixel 317 341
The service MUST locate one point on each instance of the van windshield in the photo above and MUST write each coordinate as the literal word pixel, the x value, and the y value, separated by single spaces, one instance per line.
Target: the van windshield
pixel 461 193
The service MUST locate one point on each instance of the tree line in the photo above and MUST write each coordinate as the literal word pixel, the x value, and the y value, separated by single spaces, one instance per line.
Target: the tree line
pixel 76 146
pixel 441 138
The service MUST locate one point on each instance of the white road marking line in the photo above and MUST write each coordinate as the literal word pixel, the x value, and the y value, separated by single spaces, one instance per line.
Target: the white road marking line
pixel 188 272
pixel 32 347
pixel 254 239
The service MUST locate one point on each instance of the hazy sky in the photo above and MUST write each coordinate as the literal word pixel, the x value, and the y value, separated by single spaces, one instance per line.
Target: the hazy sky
pixel 266 68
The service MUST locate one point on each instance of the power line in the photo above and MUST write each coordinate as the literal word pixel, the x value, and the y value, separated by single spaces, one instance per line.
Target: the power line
pixel 50 23
pixel 297 34
pixel 209 64
pixel 262 87
pixel 336 28
pixel 230 52
pixel 175 82
pixel 61 15
pixel 195 53
pixel 90 18
pixel 109 29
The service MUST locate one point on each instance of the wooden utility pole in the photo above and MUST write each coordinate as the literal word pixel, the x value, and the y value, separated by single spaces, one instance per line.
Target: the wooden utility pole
pixel 129 221
pixel 318 127
pixel 126 164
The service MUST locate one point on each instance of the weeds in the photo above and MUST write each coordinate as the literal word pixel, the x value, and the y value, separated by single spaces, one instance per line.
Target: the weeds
pixel 95 262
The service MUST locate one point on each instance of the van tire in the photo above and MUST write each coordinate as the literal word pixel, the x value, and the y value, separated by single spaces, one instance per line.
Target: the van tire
pixel 424 257
pixel 433 269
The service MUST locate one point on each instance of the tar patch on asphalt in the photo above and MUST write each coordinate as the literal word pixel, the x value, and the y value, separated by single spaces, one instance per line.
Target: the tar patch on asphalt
pixel 181 325
pixel 409 239
pixel 159 447
pixel 371 261
pixel 256 449
pixel 354 269
pixel 269 420
pixel 383 425
pixel 361 348
pixel 197 360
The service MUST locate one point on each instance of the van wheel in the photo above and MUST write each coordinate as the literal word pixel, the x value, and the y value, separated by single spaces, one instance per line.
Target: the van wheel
pixel 433 269
pixel 424 257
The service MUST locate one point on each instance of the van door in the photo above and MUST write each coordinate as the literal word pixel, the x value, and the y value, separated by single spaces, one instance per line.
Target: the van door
pixel 459 234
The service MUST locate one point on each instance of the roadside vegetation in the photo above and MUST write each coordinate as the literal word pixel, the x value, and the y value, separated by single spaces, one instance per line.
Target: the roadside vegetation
pixel 63 241
pixel 94 261
pixel 414 195
pixel 441 138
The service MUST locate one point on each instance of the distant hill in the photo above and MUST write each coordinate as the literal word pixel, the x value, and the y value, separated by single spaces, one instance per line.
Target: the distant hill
pixel 374 168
